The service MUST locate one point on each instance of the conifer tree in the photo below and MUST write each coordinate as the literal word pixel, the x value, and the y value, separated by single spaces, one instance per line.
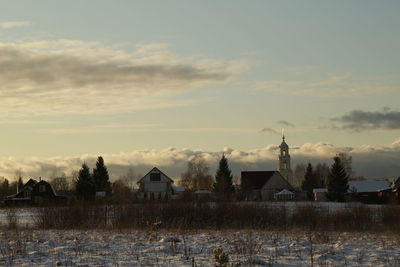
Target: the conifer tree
pixel 101 177
pixel 310 181
pixel 85 187
pixel 4 188
pixel 223 180
pixel 337 181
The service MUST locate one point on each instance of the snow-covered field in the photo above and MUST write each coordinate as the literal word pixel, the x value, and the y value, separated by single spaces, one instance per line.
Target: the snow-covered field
pixel 247 248
pixel 28 246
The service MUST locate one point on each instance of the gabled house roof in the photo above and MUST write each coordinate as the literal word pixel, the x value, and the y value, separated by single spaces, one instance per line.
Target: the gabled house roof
pixel 396 183
pixel 33 187
pixel 320 190
pixel 28 185
pixel 157 169
pixel 179 189
pixel 31 183
pixel 202 192
pixel 367 186
pixel 256 179
pixel 285 192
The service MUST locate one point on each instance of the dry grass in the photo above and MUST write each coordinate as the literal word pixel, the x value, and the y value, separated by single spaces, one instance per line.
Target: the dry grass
pixel 192 216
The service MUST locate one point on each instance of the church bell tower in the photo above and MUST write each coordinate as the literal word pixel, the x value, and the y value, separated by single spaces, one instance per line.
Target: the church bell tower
pixel 284 162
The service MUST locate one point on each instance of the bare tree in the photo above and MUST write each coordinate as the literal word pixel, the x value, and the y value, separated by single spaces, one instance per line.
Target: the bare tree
pixel 130 178
pixel 322 173
pixel 18 178
pixel 61 183
pixel 74 178
pixel 197 175
pixel 299 173
pixel 122 192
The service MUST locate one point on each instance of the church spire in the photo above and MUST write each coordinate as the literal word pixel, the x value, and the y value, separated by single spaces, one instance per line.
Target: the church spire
pixel 284 161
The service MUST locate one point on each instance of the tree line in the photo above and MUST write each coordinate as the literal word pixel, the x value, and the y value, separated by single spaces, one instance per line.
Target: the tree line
pixel 196 177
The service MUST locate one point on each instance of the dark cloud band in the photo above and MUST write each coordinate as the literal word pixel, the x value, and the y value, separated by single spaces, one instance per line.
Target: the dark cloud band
pixel 364 120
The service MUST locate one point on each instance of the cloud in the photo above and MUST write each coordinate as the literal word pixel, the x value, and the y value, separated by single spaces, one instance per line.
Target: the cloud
pixel 126 128
pixel 285 123
pixel 358 120
pixel 269 130
pixel 67 76
pixel 273 131
pixel 345 85
pixel 101 129
pixel 369 161
pixel 27 122
pixel 14 24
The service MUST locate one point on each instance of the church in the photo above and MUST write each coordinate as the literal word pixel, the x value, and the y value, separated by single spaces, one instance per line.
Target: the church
pixel 270 185
pixel 284 162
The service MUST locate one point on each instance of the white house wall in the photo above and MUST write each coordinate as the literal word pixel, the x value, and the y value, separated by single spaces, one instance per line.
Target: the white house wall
pixel 155 186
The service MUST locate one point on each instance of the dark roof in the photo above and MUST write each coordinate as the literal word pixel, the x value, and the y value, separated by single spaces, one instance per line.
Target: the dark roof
pixel 256 179
pixel 30 183
pixel 157 169
pixel 43 182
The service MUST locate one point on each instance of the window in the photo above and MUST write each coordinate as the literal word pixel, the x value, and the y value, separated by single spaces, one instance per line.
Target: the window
pixel 155 177
pixel 27 194
pixel 42 188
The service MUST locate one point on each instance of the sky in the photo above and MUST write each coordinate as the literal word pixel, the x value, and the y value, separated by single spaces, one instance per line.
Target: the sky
pixel 155 83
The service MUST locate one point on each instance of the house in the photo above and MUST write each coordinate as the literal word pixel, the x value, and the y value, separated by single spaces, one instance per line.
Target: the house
pixel 178 192
pixel 367 191
pixel 263 185
pixel 36 193
pixel 155 185
pixel 23 196
pixel 391 195
pixel 204 194
pixel 319 194
pixel 284 195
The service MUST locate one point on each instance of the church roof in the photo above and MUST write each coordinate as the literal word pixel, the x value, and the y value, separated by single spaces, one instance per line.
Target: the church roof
pixel 283 144
pixel 256 179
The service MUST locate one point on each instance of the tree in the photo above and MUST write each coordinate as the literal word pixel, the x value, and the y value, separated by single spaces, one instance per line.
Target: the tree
pixel 18 177
pixel 310 181
pixel 347 163
pixel 130 178
pixel 5 188
pixel 100 176
pixel 197 175
pixel 122 192
pixel 337 182
pixel 223 180
pixel 20 183
pixel 299 173
pixel 60 184
pixel 322 174
pixel 85 186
